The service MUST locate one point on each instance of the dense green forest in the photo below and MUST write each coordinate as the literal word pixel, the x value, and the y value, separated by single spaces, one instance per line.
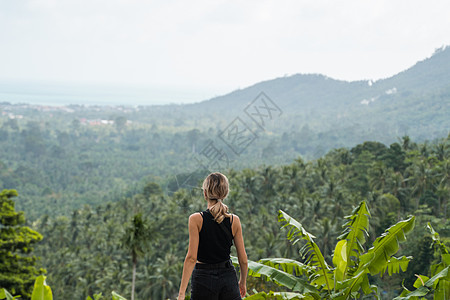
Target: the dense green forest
pixel 83 252
pixel 58 166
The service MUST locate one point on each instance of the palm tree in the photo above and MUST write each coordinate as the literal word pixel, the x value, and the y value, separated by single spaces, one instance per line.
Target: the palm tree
pixel 422 177
pixel 137 239
pixel 165 275
pixel 379 176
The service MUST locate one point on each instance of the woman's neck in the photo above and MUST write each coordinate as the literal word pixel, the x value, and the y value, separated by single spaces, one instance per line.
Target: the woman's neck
pixel 211 203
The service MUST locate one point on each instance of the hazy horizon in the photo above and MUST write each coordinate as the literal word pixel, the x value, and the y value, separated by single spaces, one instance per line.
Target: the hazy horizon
pixel 66 93
pixel 185 52
pixel 60 93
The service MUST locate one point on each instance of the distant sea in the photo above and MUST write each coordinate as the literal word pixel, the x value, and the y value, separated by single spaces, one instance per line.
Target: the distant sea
pixel 60 94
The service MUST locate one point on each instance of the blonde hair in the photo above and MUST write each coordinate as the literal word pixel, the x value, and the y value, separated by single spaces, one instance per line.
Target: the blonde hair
pixel 215 187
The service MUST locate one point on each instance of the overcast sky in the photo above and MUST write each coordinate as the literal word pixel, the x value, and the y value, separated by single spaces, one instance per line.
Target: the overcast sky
pixel 214 47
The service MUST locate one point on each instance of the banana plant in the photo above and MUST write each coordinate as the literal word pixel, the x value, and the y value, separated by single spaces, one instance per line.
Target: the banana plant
pixel 439 283
pixel 348 277
pixel 41 290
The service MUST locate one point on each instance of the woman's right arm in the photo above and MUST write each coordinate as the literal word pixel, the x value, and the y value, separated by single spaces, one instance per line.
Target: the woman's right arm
pixel 191 256
pixel 242 255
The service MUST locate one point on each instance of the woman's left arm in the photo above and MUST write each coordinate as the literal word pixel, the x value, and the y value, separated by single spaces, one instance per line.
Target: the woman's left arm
pixel 195 221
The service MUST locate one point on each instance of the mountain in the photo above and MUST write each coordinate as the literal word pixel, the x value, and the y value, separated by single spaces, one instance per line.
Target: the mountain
pixel 431 74
pixel 415 102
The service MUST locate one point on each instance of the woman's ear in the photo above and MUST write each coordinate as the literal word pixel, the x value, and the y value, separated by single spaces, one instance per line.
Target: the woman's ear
pixel 204 194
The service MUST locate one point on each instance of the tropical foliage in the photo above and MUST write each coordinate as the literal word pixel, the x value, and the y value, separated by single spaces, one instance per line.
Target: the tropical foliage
pixel 348 277
pixel 439 283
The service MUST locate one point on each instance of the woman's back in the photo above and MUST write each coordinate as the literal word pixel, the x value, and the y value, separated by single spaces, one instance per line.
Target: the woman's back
pixel 211 234
pixel 215 239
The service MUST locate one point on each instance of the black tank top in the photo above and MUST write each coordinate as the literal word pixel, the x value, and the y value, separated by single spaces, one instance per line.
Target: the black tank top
pixel 214 245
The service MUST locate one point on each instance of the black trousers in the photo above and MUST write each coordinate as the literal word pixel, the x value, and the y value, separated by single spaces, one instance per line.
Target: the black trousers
pixel 214 284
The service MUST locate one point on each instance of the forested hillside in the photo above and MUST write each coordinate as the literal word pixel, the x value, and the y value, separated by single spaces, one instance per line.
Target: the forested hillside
pixel 83 251
pixel 414 102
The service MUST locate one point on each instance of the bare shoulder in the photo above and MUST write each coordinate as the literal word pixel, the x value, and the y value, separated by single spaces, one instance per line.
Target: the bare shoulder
pixel 196 220
pixel 236 226
pixel 195 217
pixel 236 219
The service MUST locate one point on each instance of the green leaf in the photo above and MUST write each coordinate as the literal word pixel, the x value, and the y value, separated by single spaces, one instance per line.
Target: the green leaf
pixel 420 281
pixel 4 294
pixel 288 265
pixel 41 290
pixel 340 260
pixel 312 253
pixel 394 265
pixel 444 274
pixel 385 246
pixel 441 291
pixel 280 277
pixel 278 295
pixel 446 258
pixel 352 285
pixel 422 291
pixel 355 233
pixel 116 296
pixel 437 240
pixel 96 297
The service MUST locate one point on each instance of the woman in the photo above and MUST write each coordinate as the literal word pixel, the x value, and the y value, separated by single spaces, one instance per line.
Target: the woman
pixel 211 234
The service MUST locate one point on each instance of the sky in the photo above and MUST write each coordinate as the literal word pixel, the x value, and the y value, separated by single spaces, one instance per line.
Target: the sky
pixel 193 50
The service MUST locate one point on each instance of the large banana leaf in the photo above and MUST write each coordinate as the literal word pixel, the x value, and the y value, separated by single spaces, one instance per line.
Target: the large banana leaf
pixel 340 260
pixel 41 290
pixel 355 232
pixel 350 288
pixel 442 289
pixel 407 295
pixel 116 296
pixel 280 277
pixel 385 246
pixel 377 260
pixel 290 266
pixel 279 296
pixel 323 275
